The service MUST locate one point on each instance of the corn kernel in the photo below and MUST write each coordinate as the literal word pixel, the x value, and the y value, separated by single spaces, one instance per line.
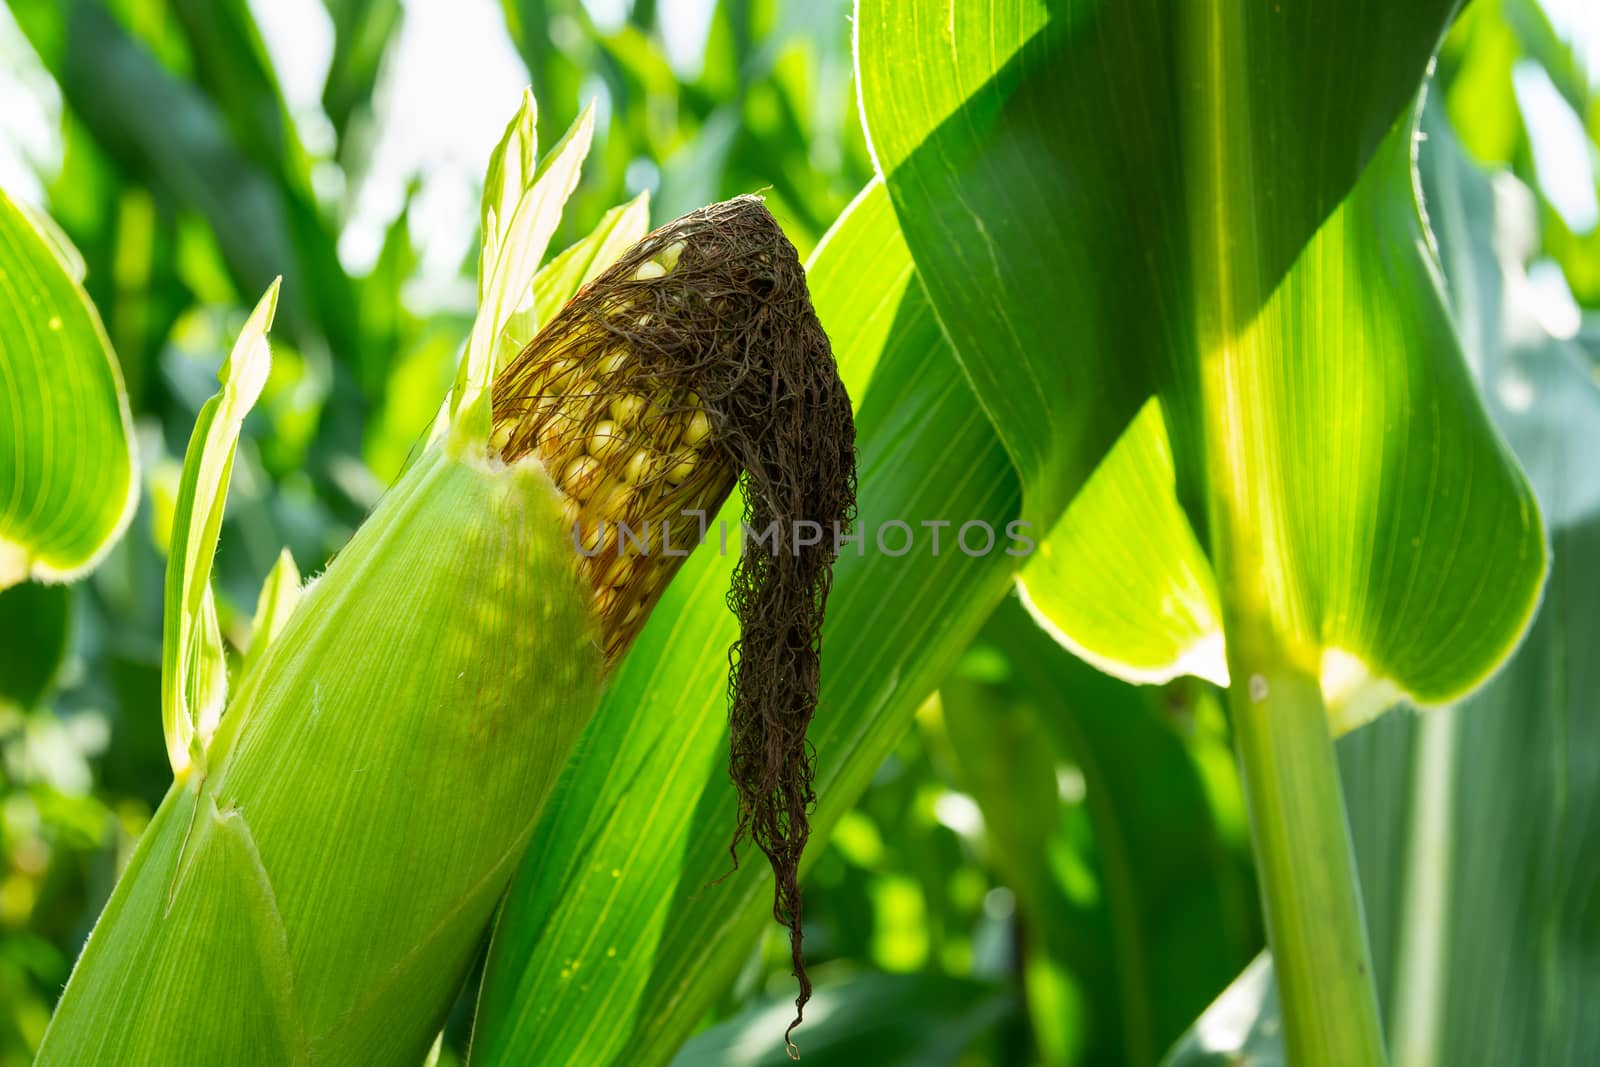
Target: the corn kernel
pixel 638 467
pixel 626 408
pixel 668 257
pixel 580 477
pixel 698 430
pixel 616 572
pixel 649 270
pixel 606 441
pixel 612 502
pixel 559 375
pixel 678 474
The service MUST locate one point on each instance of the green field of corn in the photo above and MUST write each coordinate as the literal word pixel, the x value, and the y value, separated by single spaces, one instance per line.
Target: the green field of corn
pixel 706 533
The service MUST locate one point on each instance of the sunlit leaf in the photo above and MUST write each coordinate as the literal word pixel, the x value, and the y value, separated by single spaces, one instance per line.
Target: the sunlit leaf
pixel 1287 313
pixel 193 669
pixel 559 279
pixel 521 210
pixel 1476 857
pixel 67 470
pixel 1121 579
pixel 279 594
pixel 1046 203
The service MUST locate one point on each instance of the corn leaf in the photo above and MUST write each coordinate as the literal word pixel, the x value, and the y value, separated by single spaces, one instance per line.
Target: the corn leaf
pixel 279 595
pixel 1165 924
pixel 193 666
pixel 1472 823
pixel 34 627
pixel 1255 258
pixel 1142 603
pixel 67 470
pixel 989 125
pixel 613 942
pixel 218 143
pixel 521 210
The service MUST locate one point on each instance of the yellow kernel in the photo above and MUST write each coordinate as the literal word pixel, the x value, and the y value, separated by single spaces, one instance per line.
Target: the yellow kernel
pixel 556 433
pixel 606 441
pixel 612 502
pixel 638 467
pixel 682 471
pixel 668 257
pixel 649 270
pixel 626 408
pixel 617 572
pixel 613 363
pixel 698 430
pixel 556 378
pixel 580 476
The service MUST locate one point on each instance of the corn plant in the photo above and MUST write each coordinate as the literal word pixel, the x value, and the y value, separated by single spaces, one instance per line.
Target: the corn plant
pixel 1265 464
pixel 343 821
pixel 1150 281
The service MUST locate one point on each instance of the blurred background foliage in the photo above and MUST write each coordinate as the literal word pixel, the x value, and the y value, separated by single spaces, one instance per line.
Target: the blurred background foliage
pixel 1052 867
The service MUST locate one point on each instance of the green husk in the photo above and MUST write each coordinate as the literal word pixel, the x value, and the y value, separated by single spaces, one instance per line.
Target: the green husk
pixel 318 893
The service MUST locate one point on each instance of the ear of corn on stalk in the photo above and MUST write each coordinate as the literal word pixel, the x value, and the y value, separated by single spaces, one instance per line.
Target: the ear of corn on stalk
pixel 315 884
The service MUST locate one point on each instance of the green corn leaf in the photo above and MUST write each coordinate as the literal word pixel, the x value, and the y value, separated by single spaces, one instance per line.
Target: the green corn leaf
pixel 193 668
pixel 512 166
pixel 995 131
pixel 1476 859
pixel 279 595
pixel 35 624
pixel 613 942
pixel 1282 302
pixel 521 210
pixel 1377 532
pixel 362 31
pixel 68 482
pixel 575 267
pixel 1121 579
